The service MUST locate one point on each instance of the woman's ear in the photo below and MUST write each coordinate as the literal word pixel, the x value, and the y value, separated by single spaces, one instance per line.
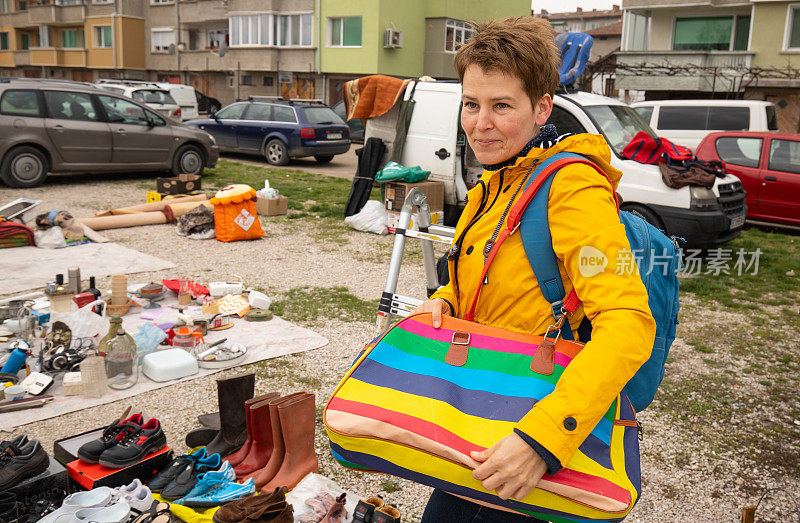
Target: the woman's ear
pixel 543 109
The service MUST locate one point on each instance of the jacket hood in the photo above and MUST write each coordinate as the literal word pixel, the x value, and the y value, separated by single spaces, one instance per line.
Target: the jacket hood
pixel 593 146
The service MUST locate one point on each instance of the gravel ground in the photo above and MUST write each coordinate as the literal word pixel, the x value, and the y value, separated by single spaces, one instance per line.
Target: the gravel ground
pixel 683 481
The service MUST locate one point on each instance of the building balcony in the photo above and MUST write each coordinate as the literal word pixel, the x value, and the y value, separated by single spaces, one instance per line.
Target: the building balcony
pixel 22 57
pixel 56 14
pixel 17 19
pixel 245 59
pixel 199 12
pixel 57 56
pixel 680 70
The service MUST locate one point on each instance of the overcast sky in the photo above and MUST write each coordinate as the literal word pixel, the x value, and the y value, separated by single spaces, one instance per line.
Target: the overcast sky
pixel 560 6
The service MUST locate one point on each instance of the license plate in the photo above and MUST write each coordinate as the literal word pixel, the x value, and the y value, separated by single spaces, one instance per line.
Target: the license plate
pixel 334 136
pixel 737 222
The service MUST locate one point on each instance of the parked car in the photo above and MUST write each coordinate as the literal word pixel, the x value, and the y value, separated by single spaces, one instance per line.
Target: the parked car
pixel 355 125
pixel 278 129
pixel 148 94
pixel 768 164
pixel 206 104
pixel 687 122
pixel 436 142
pixel 60 126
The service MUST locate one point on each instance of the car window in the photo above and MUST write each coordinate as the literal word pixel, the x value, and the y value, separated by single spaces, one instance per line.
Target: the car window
pixel 784 155
pixel 281 113
pixel 153 96
pixel 112 89
pixel 728 119
pixel 739 151
pixel 20 102
pixel 260 112
pixel 122 111
pixel 618 123
pixel 645 112
pixel 565 122
pixel 682 118
pixel 232 112
pixel 772 118
pixel 155 119
pixel 64 105
pixel 321 116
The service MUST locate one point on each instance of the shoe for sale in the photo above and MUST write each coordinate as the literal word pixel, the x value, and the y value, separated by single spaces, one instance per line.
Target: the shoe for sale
pixel 387 514
pixel 139 499
pixel 249 507
pixel 21 462
pixel 134 445
pixel 208 480
pixel 232 393
pixel 8 506
pixel 259 440
pixel 116 513
pixel 365 509
pixel 90 452
pixel 220 494
pixel 178 464
pixel 186 480
pixel 277 512
pixel 19 441
pixel 99 497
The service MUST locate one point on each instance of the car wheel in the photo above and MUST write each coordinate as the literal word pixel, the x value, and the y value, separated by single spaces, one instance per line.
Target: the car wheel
pixel 323 158
pixel 276 152
pixel 188 160
pixel 649 216
pixel 24 167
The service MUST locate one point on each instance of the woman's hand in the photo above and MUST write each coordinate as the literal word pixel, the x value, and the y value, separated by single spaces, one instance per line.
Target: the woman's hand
pixel 437 307
pixel 510 467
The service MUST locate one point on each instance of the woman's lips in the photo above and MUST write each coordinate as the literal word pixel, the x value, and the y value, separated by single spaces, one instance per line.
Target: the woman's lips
pixel 486 143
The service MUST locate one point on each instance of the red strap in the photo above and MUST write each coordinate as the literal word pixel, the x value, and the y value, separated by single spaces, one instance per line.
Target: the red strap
pixel 515 215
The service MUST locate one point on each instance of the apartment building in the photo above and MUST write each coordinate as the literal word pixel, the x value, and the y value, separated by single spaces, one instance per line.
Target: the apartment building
pixel 713 49
pixel 72 39
pixel 581 21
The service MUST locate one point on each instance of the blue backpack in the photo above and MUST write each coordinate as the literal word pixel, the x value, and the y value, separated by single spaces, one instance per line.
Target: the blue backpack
pixel 575 51
pixel 661 282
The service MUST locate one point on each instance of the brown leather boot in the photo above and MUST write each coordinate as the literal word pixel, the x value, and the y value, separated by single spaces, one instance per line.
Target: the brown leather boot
pixel 298 420
pixel 261 444
pixel 261 477
pixel 232 393
pixel 253 508
pixel 237 457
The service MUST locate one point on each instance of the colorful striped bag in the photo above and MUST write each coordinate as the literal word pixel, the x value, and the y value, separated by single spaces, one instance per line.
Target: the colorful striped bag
pixel 418 400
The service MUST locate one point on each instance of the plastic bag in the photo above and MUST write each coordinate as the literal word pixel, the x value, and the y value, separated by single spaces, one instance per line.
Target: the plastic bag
pixel 371 218
pixel 147 339
pixel 313 484
pixel 51 238
pixel 267 191
pixel 394 172
pixel 83 322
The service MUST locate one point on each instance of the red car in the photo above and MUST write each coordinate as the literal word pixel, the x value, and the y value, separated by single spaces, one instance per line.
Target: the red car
pixel 768 164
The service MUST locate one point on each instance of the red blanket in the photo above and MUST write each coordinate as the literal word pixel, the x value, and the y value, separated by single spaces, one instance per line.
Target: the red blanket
pixel 372 96
pixel 13 234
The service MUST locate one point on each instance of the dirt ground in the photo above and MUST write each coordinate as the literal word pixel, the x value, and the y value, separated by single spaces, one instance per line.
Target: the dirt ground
pixel 715 439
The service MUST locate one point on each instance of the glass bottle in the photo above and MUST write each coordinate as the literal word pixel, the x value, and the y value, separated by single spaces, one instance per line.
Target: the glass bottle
pixel 113 328
pixel 122 362
pixel 94 290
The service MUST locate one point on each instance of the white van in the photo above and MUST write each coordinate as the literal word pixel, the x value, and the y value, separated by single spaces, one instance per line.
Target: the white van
pixel 687 122
pixel 182 95
pixel 436 142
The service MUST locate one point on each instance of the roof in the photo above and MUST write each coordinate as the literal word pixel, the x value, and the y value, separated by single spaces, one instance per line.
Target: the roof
pixel 607 30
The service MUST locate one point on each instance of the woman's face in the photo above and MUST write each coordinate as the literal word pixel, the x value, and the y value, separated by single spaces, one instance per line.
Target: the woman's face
pixel 498 115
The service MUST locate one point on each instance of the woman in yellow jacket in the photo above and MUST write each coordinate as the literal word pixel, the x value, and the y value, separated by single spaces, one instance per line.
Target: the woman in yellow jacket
pixel 509 75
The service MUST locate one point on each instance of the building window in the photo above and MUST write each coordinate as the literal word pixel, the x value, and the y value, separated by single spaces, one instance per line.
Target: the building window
pixel 102 36
pixel 4 6
pixel 102 1
pixel 162 38
pixel 791 38
pixel 344 32
pixel 293 30
pixel 636 33
pixel 711 33
pixel 24 41
pixel 456 34
pixel 250 30
pixel 161 2
pixel 263 30
pixel 72 38
pixel 216 37
pixel 4 41
pixel 267 81
pixel 247 79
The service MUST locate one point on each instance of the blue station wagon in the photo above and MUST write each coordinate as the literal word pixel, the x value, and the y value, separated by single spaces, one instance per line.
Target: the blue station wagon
pixel 278 129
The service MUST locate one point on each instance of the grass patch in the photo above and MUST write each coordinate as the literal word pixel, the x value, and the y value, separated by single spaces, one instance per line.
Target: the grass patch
pixel 307 304
pixel 390 486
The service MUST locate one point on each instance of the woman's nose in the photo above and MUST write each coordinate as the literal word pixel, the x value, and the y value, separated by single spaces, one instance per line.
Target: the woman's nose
pixel 484 120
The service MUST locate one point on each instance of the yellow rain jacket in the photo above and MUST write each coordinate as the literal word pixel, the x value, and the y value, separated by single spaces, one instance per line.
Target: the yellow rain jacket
pixel 582 214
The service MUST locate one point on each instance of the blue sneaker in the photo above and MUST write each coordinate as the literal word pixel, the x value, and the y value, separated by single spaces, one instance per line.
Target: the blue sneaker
pixel 220 494
pixel 208 480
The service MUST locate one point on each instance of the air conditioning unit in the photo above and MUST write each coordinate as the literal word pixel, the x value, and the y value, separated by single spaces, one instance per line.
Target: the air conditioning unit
pixel 392 39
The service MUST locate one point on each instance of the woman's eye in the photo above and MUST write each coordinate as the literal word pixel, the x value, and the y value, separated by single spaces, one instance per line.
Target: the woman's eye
pixel 470 105
pixel 502 106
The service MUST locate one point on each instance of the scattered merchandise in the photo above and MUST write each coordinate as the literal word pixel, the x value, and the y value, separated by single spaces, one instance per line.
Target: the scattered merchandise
pixel 371 218
pixel 232 394
pixel 181 184
pixel 118 430
pixel 170 364
pixel 122 361
pixel 197 223
pixel 258 315
pixel 149 438
pixel 393 171
pixel 20 459
pixel 222 356
pixel 186 477
pixel 233 304
pixel 219 289
pixel 235 214
pixel 396 193
pixel 366 508
pixel 259 300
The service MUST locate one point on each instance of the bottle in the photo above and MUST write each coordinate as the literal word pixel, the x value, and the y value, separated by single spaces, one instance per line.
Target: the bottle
pixel 93 289
pixel 113 328
pixel 122 362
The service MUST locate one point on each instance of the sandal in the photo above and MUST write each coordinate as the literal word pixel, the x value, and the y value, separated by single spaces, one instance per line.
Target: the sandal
pixel 159 513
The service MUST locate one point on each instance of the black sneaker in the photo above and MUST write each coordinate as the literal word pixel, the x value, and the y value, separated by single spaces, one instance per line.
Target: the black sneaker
pixel 8 506
pixel 21 462
pixel 90 452
pixel 134 445
pixel 172 470
pixel 186 480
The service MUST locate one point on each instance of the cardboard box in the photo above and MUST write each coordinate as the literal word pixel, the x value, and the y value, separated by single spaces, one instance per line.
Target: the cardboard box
pixel 272 206
pixel 155 196
pixel 396 194
pixel 93 475
pixel 52 485
pixel 393 220
pixel 181 184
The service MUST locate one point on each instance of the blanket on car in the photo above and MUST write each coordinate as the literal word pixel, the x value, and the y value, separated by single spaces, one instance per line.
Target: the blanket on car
pixel 372 96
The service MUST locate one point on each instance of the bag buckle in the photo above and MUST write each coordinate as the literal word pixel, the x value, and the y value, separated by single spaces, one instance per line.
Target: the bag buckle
pixel 556 326
pixel 460 338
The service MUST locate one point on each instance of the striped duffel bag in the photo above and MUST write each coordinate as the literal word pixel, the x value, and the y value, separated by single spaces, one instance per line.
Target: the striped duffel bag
pixel 418 400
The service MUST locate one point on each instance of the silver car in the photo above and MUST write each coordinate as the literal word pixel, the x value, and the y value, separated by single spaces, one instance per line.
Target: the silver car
pixel 60 126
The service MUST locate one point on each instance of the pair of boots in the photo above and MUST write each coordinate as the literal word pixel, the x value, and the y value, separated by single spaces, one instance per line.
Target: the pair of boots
pixel 279 450
pixel 224 432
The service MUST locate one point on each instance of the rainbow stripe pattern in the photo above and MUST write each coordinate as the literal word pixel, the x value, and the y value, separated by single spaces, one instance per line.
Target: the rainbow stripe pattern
pixel 402 410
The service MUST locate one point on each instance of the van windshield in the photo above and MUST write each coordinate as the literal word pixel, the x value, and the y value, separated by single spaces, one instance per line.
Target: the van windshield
pixel 619 124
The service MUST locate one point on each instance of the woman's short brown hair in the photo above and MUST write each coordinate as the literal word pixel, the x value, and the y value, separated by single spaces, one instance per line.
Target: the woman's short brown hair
pixel 519 46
